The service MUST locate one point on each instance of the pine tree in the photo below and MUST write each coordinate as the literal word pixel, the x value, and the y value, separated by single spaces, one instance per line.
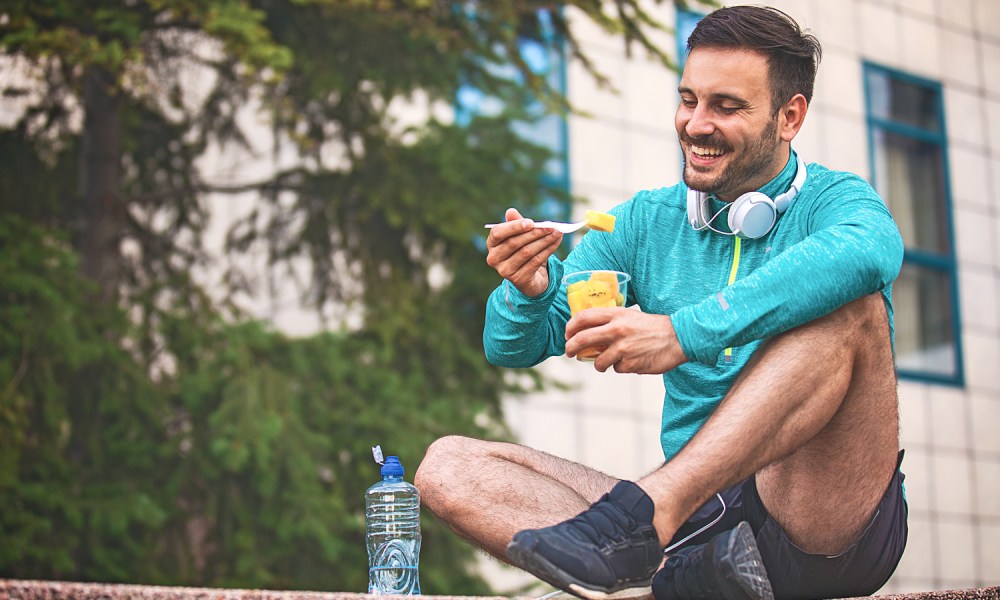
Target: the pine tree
pixel 150 431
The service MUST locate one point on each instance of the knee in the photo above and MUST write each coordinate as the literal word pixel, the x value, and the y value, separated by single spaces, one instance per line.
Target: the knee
pixel 861 325
pixel 860 329
pixel 866 315
pixel 439 469
pixel 870 307
pixel 861 315
pixel 435 461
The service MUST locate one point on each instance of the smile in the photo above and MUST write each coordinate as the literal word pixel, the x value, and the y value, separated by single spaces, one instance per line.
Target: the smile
pixel 707 152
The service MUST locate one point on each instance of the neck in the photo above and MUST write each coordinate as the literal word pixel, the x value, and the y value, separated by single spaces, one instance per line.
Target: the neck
pixel 765 175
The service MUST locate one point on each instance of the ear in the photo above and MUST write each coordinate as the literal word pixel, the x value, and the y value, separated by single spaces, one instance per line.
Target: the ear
pixel 791 116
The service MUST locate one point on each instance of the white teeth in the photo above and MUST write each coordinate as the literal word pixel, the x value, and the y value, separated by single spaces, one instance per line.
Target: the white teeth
pixel 707 151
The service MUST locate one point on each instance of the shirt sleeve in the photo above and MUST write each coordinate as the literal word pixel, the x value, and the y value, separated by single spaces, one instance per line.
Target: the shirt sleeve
pixel 519 330
pixel 851 248
pixel 522 331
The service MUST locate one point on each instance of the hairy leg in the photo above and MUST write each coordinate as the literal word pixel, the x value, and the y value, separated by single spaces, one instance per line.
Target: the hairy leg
pixel 815 416
pixel 825 493
pixel 488 491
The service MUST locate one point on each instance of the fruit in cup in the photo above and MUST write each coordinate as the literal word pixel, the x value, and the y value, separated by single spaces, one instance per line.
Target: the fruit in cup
pixel 600 291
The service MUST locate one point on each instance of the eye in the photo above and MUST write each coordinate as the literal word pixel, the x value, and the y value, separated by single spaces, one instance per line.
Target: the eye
pixel 689 102
pixel 728 110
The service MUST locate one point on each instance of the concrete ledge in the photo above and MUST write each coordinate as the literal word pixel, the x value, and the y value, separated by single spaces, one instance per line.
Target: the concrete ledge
pixel 14 589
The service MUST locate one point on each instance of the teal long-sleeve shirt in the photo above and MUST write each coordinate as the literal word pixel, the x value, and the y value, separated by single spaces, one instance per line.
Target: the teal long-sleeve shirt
pixel 836 242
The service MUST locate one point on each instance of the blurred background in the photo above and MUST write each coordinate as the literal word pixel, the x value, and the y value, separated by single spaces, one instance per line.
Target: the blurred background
pixel 241 243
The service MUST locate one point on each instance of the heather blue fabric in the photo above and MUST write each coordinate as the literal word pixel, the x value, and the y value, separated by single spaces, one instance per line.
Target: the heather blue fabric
pixel 836 242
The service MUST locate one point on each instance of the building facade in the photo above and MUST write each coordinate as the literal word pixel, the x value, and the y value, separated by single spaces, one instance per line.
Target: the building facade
pixel 907 96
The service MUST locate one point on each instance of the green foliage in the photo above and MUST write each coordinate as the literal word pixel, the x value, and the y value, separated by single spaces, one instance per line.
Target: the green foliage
pixel 164 437
pixel 271 454
pixel 79 428
pixel 114 36
pixel 243 464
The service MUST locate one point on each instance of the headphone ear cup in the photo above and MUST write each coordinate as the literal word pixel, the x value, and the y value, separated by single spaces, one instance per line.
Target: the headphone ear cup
pixel 752 215
pixel 695 209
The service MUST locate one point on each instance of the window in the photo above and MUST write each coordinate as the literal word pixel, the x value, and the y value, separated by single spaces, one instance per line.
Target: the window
pixel 686 22
pixel 909 165
pixel 545 57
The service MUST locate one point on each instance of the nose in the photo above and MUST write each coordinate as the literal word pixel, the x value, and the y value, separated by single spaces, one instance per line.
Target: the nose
pixel 699 122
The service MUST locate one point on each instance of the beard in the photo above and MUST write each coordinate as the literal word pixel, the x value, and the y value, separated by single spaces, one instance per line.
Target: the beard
pixel 754 162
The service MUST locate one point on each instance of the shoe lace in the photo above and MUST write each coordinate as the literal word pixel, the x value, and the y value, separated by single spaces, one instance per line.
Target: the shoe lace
pixel 690 575
pixel 604 522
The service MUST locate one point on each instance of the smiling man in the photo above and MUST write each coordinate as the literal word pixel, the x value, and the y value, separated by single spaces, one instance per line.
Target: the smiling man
pixel 764 288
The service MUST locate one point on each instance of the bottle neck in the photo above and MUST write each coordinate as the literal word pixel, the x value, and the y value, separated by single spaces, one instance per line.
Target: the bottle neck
pixel 392 478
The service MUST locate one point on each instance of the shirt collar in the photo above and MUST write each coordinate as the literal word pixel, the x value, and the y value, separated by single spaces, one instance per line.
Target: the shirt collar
pixel 783 181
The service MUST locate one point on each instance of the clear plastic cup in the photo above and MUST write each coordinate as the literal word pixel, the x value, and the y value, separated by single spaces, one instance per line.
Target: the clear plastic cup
pixel 595 289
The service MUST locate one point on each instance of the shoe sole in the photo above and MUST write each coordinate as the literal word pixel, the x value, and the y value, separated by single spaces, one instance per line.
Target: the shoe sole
pixel 740 563
pixel 624 594
pixel 553 575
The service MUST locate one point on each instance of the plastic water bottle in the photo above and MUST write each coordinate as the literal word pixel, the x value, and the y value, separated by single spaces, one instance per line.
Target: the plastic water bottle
pixel 392 523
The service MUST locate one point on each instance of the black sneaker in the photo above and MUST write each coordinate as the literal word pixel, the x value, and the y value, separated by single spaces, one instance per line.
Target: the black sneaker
pixel 609 550
pixel 728 566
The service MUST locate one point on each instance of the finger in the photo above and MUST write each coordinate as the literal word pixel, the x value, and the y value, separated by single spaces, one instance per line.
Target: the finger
pixel 612 357
pixel 504 231
pixel 539 251
pixel 523 255
pixel 528 273
pixel 521 248
pixel 607 359
pixel 587 338
pixel 588 319
pixel 503 244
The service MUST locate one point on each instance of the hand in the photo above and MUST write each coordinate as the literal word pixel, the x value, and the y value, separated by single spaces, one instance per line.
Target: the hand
pixel 519 252
pixel 633 341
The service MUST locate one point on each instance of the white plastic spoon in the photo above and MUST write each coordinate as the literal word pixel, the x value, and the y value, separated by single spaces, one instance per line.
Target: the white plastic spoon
pixel 561 227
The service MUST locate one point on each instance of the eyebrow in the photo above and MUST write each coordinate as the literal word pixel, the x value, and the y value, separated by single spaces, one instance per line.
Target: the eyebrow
pixel 742 102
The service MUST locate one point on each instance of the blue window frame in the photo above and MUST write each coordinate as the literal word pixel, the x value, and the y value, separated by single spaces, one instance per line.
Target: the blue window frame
pixel 546 58
pixel 686 22
pixel 908 155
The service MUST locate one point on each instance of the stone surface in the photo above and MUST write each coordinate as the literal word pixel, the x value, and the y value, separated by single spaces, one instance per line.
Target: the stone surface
pixel 14 589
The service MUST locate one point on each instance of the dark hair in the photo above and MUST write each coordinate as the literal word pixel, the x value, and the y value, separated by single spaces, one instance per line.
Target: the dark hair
pixel 792 54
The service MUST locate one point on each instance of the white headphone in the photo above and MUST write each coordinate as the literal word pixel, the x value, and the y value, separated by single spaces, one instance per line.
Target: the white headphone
pixel 751 215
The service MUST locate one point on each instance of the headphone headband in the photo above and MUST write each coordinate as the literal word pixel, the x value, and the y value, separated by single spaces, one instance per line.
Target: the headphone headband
pixel 783 200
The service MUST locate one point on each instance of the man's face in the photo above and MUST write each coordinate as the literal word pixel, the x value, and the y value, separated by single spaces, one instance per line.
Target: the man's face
pixel 728 138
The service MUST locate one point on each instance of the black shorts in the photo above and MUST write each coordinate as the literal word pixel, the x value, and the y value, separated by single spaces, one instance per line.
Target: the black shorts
pixel 858 571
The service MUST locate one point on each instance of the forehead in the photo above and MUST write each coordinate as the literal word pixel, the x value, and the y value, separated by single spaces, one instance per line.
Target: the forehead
pixel 728 71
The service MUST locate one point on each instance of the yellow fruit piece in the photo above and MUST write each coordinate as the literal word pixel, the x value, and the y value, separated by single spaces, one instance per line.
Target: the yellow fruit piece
pixel 599 221
pixel 600 295
pixel 592 294
pixel 599 291
pixel 608 278
pixel 577 301
pixel 611 280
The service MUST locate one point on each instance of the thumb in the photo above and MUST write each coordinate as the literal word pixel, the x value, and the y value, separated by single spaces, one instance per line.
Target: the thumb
pixel 512 215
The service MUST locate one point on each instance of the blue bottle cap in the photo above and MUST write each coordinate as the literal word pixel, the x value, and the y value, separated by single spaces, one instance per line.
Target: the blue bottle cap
pixel 392 467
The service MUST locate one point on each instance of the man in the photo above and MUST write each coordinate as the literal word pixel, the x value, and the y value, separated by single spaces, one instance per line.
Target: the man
pixel 780 419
